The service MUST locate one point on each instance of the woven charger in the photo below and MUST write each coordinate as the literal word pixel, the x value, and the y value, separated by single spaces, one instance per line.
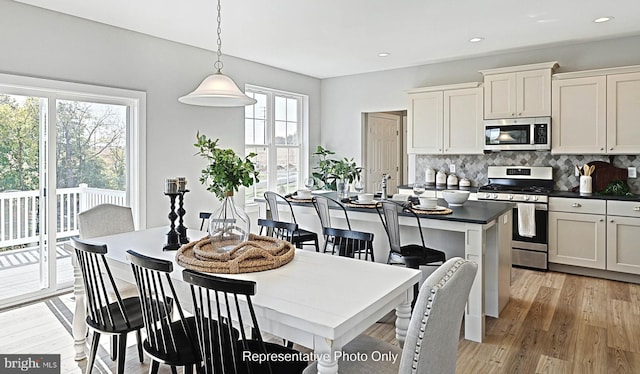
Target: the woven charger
pixel 352 205
pixel 259 253
pixel 432 212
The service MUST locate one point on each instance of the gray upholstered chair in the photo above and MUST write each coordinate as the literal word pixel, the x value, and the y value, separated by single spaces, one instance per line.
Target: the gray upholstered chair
pixel 105 219
pixel 431 344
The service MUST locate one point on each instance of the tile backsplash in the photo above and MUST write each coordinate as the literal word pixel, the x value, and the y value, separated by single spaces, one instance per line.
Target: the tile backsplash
pixel 474 167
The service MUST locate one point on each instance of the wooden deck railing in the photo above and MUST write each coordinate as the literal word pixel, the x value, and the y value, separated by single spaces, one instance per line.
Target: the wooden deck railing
pixel 20 218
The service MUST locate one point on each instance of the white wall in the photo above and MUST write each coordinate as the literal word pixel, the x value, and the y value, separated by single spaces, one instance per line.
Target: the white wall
pixel 41 43
pixel 344 99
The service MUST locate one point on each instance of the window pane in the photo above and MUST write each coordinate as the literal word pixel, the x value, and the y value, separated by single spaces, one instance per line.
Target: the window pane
pixel 261 161
pixel 288 165
pixel 249 137
pixel 292 133
pixel 281 132
pixel 260 133
pixel 260 106
pixel 292 109
pixel 280 110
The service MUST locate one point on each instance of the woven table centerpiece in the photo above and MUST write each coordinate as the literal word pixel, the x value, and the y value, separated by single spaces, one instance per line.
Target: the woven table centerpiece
pixel 259 253
pixel 434 211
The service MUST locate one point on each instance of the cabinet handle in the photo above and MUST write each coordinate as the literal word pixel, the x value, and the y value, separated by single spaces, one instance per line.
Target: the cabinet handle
pixel 611 221
pixel 576 205
pixel 519 114
pixel 601 220
pixel 636 208
pixel 602 149
pixel 611 149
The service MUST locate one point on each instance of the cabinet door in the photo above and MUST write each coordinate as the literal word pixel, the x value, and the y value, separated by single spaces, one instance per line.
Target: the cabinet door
pixel 424 132
pixel 623 112
pixel 623 236
pixel 578 124
pixel 533 93
pixel 500 96
pixel 577 239
pixel 463 121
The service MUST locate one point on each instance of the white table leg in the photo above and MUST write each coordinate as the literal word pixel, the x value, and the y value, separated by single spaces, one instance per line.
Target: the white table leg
pixel 403 317
pixel 326 353
pixel 474 317
pixel 79 328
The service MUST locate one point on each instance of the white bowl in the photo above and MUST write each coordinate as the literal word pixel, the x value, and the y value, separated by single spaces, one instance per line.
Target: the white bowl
pixel 455 197
pixel 365 197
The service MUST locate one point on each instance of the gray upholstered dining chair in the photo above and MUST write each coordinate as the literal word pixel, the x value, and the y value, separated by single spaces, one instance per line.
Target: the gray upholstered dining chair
pixel 105 219
pixel 431 345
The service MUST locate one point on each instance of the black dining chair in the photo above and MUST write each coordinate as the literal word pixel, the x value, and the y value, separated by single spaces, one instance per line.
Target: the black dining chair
pixel 168 342
pixel 217 299
pixel 350 243
pixel 277 229
pixel 410 255
pixel 301 237
pixel 107 312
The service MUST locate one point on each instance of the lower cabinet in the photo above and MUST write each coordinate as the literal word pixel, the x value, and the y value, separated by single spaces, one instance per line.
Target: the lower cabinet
pixel 577 239
pixel 623 248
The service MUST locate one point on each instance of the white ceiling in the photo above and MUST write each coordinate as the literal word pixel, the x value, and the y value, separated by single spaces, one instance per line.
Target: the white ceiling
pixel 328 38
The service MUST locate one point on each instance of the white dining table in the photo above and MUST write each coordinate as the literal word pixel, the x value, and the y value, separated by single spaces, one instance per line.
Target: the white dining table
pixel 318 301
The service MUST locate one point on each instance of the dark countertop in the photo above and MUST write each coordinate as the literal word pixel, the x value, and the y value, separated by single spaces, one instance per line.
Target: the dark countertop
pixel 472 211
pixel 577 195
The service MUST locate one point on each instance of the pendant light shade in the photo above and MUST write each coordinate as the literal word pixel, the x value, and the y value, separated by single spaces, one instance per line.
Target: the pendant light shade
pixel 217 89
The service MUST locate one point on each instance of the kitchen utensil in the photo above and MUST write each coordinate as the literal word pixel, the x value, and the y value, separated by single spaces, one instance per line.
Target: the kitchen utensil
pixel 585 169
pixel 592 168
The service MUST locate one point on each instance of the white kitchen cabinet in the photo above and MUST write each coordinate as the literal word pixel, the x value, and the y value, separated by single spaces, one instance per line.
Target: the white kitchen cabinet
pixel 579 115
pixel 623 236
pixel 445 120
pixel 577 232
pixel 518 91
pixel 596 112
pixel 623 112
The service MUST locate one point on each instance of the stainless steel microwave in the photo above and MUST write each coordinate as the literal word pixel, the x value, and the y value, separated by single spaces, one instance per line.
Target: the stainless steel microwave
pixel 518 134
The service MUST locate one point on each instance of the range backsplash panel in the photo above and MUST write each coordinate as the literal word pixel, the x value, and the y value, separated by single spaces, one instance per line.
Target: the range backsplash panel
pixel 474 167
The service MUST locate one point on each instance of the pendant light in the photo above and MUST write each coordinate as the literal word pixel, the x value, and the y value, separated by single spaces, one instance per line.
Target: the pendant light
pixel 217 89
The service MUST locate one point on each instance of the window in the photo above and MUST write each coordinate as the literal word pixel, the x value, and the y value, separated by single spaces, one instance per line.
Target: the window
pixel 274 128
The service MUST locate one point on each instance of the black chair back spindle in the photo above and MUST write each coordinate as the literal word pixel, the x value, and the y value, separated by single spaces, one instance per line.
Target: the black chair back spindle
pixel 350 243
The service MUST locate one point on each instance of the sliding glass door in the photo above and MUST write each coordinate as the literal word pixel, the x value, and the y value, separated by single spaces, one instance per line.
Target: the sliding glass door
pixel 60 153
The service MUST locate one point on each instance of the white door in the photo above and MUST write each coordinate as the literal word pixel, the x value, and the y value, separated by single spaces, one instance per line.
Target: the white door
pixel 382 151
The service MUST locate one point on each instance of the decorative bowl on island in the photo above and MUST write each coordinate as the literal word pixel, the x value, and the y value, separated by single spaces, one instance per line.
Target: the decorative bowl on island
pixel 455 197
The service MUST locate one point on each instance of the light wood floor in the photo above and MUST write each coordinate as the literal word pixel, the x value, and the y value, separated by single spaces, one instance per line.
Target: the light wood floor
pixel 554 323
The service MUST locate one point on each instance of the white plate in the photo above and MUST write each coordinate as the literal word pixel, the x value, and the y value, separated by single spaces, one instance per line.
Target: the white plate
pixel 437 208
pixel 368 202
pixel 318 192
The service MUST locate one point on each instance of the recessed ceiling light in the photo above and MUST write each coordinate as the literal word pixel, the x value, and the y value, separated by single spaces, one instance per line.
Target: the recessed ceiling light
pixel 602 19
pixel 383 54
pixel 476 39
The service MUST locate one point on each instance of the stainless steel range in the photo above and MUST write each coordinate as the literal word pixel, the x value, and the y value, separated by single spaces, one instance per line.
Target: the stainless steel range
pixel 529 186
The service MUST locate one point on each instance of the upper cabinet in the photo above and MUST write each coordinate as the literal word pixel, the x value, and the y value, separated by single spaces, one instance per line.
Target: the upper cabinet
pixel 596 112
pixel 518 91
pixel 445 119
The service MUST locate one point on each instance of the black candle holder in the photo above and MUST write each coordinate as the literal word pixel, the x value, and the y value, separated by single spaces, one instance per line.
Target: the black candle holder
pixel 173 242
pixel 181 229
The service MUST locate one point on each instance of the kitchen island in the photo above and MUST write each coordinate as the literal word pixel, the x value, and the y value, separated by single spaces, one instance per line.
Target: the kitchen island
pixel 478 231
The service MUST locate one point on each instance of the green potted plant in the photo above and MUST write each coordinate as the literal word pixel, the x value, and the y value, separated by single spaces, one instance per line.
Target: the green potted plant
pixel 335 173
pixel 223 175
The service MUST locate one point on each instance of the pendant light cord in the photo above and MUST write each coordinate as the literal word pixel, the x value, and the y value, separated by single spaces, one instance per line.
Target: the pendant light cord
pixel 218 64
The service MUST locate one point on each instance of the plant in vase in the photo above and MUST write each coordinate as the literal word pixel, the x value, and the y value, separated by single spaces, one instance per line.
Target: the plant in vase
pixel 335 173
pixel 224 174
pixel 345 172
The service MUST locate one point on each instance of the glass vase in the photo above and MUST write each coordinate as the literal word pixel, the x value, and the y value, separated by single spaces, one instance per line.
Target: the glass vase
pixel 228 225
pixel 342 187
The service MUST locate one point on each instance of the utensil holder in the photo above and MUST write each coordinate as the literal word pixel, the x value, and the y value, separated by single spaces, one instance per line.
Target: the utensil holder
pixel 585 184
